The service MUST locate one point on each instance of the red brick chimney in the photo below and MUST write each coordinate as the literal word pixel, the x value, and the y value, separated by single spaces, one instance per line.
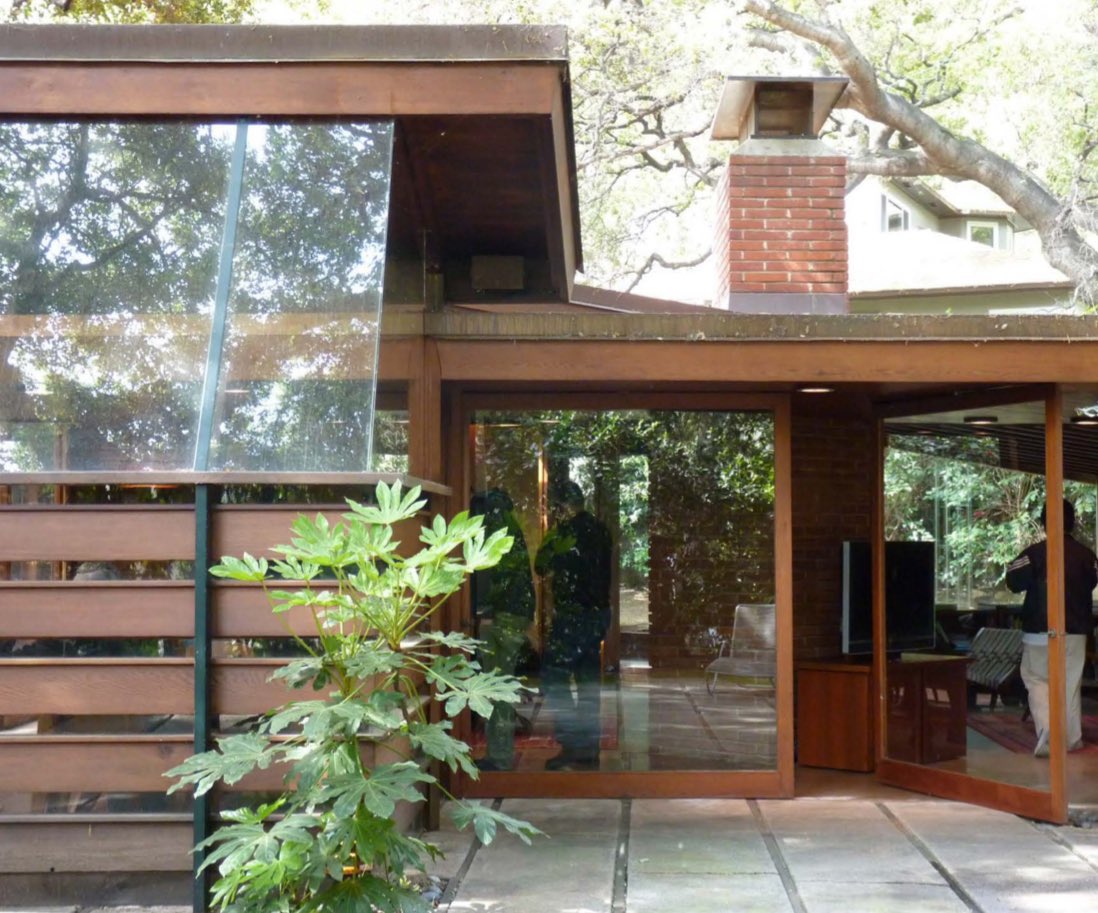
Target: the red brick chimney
pixel 780 245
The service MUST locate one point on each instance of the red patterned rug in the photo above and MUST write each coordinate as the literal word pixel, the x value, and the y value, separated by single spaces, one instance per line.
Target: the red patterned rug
pixel 1008 730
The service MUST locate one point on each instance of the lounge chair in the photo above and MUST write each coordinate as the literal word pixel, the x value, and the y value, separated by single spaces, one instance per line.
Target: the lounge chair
pixel 995 663
pixel 751 652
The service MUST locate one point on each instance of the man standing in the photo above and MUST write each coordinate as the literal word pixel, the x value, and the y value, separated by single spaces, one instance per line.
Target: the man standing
pixel 576 552
pixel 1028 573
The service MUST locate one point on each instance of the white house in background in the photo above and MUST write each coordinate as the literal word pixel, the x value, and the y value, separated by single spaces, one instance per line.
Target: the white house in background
pixel 957 248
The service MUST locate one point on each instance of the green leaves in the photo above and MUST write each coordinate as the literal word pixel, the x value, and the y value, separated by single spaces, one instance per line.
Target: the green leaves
pixel 486 819
pixel 336 848
pixel 433 740
pixel 247 569
pixel 234 757
pixel 378 793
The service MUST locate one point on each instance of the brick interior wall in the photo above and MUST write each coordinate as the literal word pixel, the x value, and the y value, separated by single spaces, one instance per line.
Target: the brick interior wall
pixel 832 501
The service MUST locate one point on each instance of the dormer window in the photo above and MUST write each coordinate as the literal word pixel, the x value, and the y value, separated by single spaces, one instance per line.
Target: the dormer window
pixel 984 233
pixel 894 217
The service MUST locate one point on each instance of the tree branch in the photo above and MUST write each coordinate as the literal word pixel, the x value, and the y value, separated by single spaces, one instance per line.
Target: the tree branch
pixel 1064 245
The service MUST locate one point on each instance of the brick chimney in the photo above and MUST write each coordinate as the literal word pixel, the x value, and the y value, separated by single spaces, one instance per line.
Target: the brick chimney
pixel 780 245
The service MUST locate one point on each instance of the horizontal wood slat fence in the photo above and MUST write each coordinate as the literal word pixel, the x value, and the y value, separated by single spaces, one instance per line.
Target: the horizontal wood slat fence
pixel 98 690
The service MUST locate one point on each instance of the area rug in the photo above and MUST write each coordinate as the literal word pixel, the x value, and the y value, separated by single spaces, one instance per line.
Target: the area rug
pixel 1008 730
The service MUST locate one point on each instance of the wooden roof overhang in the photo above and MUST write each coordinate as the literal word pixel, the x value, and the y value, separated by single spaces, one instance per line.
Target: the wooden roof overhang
pixel 484 151
pixel 887 355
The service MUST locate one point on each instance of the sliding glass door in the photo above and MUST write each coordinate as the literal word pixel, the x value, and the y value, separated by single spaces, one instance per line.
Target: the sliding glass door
pixel 640 601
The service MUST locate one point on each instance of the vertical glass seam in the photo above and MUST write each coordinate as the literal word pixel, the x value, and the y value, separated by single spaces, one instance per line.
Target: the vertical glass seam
pixel 221 301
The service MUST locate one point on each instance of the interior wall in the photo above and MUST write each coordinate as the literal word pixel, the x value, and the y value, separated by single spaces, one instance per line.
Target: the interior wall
pixel 832 501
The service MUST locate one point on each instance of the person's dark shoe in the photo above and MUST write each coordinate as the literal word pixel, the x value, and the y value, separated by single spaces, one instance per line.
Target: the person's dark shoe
pixel 561 761
pixel 568 761
pixel 489 764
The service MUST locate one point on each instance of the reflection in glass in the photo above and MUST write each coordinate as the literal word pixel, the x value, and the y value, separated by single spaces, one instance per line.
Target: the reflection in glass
pixel 973 494
pixel 110 262
pixel 297 381
pixel 638 534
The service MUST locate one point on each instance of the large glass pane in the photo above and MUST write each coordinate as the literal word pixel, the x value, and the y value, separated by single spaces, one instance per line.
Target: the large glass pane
pixel 964 495
pixel 109 236
pixel 638 601
pixel 296 388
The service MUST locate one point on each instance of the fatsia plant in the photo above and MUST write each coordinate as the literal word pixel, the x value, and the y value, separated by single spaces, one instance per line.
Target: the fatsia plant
pixel 373 669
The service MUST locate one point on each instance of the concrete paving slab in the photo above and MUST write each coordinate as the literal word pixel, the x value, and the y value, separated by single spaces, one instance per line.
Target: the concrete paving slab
pixel 895 897
pixel 1006 864
pixel 695 836
pixel 845 843
pixel 707 894
pixel 1084 841
pixel 570 871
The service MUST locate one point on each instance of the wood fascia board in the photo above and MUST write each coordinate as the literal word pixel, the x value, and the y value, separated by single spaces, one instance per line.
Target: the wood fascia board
pixel 367 89
pixel 759 361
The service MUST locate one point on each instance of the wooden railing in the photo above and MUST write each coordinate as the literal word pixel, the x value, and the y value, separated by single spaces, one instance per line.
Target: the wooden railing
pixel 84 740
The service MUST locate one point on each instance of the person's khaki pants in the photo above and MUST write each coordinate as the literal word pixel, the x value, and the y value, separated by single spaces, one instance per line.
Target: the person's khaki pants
pixel 1035 676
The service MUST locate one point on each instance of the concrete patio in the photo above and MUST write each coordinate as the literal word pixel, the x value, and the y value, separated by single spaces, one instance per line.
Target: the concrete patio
pixel 807 855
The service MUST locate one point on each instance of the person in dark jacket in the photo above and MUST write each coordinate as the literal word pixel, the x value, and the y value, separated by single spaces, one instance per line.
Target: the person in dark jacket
pixel 1028 573
pixel 503 602
pixel 576 553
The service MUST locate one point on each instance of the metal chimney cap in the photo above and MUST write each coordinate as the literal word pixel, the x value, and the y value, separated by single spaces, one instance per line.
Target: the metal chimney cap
pixel 746 97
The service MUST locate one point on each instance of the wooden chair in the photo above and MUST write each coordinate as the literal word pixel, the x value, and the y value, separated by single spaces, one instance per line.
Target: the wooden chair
pixel 751 652
pixel 995 663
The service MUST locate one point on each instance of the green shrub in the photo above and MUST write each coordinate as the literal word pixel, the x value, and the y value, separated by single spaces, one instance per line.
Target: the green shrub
pixel 329 843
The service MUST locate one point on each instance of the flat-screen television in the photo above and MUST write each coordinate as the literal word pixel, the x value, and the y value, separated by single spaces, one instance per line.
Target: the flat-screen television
pixel 909 597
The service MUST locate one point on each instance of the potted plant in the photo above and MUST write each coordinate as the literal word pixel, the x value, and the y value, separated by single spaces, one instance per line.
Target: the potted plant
pixel 374 668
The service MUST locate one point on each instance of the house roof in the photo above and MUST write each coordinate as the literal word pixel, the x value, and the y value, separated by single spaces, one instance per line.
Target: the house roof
pixel 484 161
pixel 920 262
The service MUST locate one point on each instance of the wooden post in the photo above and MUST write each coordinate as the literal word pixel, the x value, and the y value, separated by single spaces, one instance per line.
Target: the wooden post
pixel 1054 532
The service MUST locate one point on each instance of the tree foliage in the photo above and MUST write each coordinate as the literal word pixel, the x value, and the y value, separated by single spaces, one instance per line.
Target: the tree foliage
pixel 1003 94
pixel 144 12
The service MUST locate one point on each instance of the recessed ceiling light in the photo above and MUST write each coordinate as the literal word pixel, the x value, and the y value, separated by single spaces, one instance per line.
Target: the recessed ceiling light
pixel 1085 420
pixel 815 389
pixel 980 419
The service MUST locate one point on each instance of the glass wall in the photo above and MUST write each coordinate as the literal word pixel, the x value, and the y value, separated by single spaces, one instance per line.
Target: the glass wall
pixel 190 295
pixel 964 495
pixel 642 572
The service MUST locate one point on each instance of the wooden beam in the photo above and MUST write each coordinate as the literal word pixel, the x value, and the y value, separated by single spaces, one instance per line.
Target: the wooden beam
pixel 722 361
pixel 99 533
pixel 1057 628
pixel 961 400
pixel 99 608
pixel 613 784
pixel 108 763
pixel 783 590
pixel 96 686
pixel 315 89
pixel 85 843
pixel 425 413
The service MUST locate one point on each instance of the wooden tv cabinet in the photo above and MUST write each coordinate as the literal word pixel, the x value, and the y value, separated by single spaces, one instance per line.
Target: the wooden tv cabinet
pixel 927 715
pixel 835 715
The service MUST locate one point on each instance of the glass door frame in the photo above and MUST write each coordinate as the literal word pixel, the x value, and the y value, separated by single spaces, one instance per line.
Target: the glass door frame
pixel 1050 804
pixel 776 783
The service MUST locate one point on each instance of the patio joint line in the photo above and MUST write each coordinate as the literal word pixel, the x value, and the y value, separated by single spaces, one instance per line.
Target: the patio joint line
pixel 777 857
pixel 692 701
pixel 1056 837
pixel 449 895
pixel 621 859
pixel 930 856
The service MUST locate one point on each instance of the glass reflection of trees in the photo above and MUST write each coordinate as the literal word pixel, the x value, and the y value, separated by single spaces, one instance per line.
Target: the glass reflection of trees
pixel 700 522
pixel 110 238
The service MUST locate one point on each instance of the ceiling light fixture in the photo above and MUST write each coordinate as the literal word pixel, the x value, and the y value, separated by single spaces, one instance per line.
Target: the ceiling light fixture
pixel 1085 421
pixel 815 389
pixel 980 419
